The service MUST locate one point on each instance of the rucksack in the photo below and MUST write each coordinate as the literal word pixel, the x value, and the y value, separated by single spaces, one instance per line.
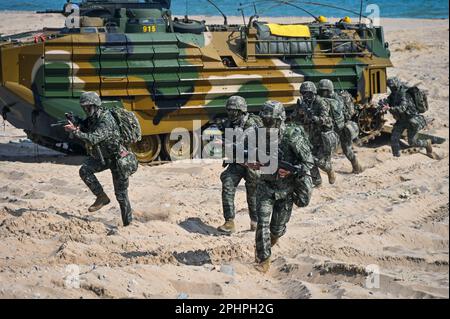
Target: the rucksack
pixel 349 105
pixel 130 129
pixel 420 99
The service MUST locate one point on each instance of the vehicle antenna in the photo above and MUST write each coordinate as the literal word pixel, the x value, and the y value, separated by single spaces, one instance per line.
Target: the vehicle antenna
pixel 243 14
pixel 360 12
pixel 225 19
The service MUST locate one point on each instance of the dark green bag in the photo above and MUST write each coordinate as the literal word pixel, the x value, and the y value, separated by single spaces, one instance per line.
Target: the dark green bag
pixel 127 164
pixel 303 191
pixel 420 99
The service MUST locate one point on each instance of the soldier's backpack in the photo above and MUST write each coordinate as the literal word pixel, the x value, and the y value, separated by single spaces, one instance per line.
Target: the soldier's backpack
pixel 349 105
pixel 130 129
pixel 420 99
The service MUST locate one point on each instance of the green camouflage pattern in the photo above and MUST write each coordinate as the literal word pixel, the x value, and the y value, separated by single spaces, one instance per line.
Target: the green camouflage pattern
pixel 170 79
pixel 234 174
pixel 276 195
pixel 100 133
pixel 407 116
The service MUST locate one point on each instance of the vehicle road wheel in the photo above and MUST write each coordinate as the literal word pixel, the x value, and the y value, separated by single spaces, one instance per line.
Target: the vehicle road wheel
pixel 148 149
pixel 183 151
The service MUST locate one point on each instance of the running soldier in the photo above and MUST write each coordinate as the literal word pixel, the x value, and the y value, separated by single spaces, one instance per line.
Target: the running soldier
pixel 406 105
pixel 238 118
pixel 101 134
pixel 342 122
pixel 313 113
pixel 277 192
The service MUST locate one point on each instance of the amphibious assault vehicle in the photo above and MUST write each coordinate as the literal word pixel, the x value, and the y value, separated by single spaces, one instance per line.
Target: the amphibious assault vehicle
pixel 175 72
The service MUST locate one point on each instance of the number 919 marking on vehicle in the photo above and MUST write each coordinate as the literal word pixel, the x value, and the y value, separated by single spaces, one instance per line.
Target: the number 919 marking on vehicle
pixel 149 28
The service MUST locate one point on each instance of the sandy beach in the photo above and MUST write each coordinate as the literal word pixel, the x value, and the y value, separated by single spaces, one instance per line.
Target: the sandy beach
pixel 394 216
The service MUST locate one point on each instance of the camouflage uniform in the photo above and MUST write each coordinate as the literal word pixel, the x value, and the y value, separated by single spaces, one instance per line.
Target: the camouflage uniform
pixel 315 118
pixel 326 89
pixel 345 139
pixel 100 133
pixel 275 194
pixel 407 117
pixel 234 173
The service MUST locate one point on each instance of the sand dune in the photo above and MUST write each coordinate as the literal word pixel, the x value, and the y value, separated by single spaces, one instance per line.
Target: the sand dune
pixel 394 216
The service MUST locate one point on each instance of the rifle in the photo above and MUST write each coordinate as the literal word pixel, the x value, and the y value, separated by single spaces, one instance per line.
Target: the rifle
pixel 70 117
pixel 381 106
pixel 298 170
pixel 304 112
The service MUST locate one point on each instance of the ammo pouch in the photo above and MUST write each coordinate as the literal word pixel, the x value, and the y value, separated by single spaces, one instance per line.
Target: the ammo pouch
pixel 303 189
pixel 351 130
pixel 127 164
pixel 330 142
pixel 418 122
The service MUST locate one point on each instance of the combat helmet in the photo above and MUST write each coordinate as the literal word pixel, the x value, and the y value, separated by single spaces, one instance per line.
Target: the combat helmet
pixel 308 86
pixel 394 82
pixel 326 85
pixel 273 110
pixel 90 98
pixel 237 103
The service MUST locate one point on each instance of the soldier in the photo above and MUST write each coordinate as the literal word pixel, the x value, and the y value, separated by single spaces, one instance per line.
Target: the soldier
pixel 238 118
pixel 313 113
pixel 404 109
pixel 341 118
pixel 276 192
pixel 100 132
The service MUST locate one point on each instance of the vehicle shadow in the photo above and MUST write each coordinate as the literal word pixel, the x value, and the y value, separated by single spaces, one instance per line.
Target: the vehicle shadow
pixel 26 151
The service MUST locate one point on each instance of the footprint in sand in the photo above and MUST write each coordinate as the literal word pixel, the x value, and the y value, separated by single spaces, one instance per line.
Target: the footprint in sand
pixel 58 182
pixel 34 195
pixel 11 190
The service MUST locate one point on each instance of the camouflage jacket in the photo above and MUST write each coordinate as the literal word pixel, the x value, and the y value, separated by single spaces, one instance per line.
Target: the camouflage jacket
pixel 295 148
pixel 248 120
pixel 402 105
pixel 337 111
pixel 305 113
pixel 100 130
pixel 347 103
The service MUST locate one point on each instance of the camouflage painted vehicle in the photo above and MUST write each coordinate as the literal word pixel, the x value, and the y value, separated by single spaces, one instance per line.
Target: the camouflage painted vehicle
pixel 171 71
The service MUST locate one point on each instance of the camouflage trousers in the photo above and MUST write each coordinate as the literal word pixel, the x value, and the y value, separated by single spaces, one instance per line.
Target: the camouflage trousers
pixel 231 178
pixel 413 128
pixel 87 173
pixel 347 145
pixel 274 212
pixel 322 160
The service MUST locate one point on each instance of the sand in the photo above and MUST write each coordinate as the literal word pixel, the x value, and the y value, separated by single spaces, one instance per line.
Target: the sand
pixel 394 215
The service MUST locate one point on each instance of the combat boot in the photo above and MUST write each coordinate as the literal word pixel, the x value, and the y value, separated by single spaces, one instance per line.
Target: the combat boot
pixel 429 149
pixel 127 218
pixel 396 152
pixel 263 266
pixel 331 177
pixel 273 240
pixel 101 201
pixel 253 225
pixel 228 227
pixel 357 168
